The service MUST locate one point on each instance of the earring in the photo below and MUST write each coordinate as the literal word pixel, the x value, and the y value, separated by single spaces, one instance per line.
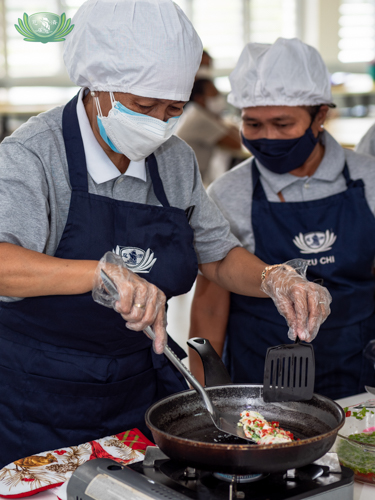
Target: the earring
pixel 92 93
pixel 321 126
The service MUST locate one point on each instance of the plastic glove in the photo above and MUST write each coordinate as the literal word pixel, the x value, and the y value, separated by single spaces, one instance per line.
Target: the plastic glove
pixel 141 303
pixel 304 304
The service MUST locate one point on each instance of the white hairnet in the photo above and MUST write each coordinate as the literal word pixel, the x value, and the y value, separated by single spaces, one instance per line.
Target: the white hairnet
pixel 144 47
pixel 287 73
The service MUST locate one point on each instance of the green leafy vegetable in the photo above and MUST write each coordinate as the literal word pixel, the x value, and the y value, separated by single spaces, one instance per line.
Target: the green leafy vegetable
pixel 359 415
pixel 364 437
pixel 361 460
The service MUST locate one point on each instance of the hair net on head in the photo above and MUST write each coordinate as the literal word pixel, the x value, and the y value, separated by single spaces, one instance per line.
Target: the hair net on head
pixel 144 47
pixel 287 73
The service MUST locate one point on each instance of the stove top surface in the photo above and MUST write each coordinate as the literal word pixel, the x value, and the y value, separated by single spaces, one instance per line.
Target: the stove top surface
pixel 319 481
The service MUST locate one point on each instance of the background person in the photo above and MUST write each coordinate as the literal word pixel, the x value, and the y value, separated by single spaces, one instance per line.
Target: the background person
pixel 203 128
pixel 102 183
pixel 302 196
pixel 206 67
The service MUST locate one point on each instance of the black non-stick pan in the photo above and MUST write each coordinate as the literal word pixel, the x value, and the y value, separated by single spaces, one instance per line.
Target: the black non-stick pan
pixel 184 431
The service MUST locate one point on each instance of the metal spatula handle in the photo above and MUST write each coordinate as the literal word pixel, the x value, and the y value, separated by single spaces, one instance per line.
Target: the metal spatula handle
pixel 223 421
pixel 175 360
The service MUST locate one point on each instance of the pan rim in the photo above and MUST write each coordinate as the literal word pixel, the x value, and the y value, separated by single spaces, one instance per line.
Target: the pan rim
pixel 247 447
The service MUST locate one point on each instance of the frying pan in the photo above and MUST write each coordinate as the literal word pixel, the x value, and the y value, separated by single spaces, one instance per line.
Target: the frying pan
pixel 183 429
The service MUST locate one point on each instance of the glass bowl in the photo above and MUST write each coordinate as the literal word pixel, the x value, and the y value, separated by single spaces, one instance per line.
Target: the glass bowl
pixel 355 443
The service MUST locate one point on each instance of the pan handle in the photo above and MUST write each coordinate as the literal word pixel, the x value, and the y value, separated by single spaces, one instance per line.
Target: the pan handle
pixel 215 372
pixel 175 360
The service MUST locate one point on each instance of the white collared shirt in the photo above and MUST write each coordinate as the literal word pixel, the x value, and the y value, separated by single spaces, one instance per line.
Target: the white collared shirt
pixel 99 166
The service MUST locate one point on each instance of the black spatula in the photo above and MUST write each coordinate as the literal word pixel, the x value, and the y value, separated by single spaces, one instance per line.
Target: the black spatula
pixel 289 372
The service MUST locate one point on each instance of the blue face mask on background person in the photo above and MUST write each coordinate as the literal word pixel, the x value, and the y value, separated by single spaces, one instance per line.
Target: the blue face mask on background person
pixel 282 155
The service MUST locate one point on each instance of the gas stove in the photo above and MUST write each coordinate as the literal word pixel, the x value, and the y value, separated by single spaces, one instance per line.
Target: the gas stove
pixel 325 479
pixel 159 477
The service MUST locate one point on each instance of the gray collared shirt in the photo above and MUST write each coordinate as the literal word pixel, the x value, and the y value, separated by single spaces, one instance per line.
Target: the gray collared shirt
pixel 233 191
pixel 366 145
pixel 35 190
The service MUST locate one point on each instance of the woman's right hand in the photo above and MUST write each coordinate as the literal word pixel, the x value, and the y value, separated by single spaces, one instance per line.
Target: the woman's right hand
pixel 141 303
pixel 305 305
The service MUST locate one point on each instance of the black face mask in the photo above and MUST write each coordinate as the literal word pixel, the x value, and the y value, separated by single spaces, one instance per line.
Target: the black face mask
pixel 282 155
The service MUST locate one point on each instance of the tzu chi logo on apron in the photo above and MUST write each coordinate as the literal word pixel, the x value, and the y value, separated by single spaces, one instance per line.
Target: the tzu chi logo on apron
pixel 136 259
pixel 315 242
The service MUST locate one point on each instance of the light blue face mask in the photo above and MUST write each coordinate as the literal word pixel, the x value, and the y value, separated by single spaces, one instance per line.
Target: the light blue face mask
pixel 133 134
pixel 104 136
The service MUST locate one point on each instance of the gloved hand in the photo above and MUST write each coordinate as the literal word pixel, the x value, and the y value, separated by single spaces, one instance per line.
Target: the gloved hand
pixel 141 304
pixel 304 304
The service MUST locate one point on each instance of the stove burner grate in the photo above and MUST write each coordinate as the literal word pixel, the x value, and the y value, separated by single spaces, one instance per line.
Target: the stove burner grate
pixel 246 478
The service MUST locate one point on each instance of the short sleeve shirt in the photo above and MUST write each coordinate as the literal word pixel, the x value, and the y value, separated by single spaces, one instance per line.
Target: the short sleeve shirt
pixel 35 190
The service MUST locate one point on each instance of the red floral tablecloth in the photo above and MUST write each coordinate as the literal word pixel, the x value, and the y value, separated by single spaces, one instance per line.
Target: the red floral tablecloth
pixel 30 475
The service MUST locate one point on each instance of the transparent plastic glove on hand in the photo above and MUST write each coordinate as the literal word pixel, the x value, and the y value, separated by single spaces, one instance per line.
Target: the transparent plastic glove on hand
pixel 305 305
pixel 141 303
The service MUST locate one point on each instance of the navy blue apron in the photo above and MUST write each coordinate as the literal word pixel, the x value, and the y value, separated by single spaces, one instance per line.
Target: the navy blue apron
pixel 337 236
pixel 70 369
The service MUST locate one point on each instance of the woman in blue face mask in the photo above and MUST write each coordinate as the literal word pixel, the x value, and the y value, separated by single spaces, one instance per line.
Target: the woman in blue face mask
pixel 301 195
pixel 285 138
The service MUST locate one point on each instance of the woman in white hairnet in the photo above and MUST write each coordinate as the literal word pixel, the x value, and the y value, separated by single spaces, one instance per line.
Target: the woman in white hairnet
pixel 102 184
pixel 301 196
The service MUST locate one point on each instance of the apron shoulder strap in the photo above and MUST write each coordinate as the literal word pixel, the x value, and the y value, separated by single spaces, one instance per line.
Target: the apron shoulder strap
pixel 74 149
pixel 349 181
pixel 346 174
pixel 258 191
pixel 156 181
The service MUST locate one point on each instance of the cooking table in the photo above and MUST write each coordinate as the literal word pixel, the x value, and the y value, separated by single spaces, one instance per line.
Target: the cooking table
pixel 361 491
